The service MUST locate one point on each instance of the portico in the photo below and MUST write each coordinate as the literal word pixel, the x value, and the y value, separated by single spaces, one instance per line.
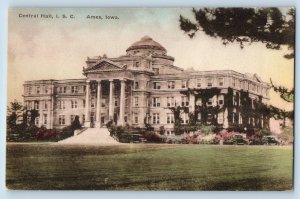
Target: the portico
pixel 101 86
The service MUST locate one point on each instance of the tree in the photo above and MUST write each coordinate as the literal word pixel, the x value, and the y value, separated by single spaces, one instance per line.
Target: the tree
pixel 76 123
pixel 244 25
pixel 14 114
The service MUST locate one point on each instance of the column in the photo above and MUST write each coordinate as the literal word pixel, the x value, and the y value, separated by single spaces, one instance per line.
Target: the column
pixel 110 108
pixel 192 103
pixel 225 119
pixel 87 122
pixel 122 103
pixel 98 110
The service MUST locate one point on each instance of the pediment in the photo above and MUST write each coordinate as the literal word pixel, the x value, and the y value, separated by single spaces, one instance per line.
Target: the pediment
pixel 105 65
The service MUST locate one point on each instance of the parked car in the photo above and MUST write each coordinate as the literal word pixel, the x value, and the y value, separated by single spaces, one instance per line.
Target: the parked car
pixel 270 140
pixel 236 140
pixel 138 138
pixel 239 140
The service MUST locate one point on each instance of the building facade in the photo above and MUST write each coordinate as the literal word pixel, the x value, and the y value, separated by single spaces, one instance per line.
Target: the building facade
pixel 141 87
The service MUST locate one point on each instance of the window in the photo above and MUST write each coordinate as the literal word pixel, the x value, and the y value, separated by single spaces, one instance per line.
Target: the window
pixel 184 101
pixel 209 82
pixel 137 64
pixel 37 120
pixel 199 102
pixel 136 85
pixel 63 106
pixel 136 101
pixel 209 118
pixel 62 89
pixel 221 81
pixel 83 118
pixel 198 83
pixel 135 118
pixel 38 90
pixel 183 84
pixel 210 102
pixel 171 84
pixel 221 102
pixel 156 85
pixel 36 105
pixel 185 118
pixel 199 116
pixel 73 104
pixel 156 71
pixel 116 102
pixel 46 105
pixel 156 102
pixel 46 89
pixel 83 103
pixel 170 101
pixel 45 118
pixel 155 118
pixel 234 82
pixel 92 102
pixel 29 90
pixel 170 118
pixel 61 120
pixel 74 89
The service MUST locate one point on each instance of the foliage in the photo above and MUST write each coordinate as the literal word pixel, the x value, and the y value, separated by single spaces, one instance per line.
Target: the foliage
pixel 46 134
pixel 287 135
pixel 14 113
pixel 66 132
pixel 121 133
pixel 154 137
pixel 207 129
pixel 177 119
pixel 76 123
pixel 162 130
pixel 244 26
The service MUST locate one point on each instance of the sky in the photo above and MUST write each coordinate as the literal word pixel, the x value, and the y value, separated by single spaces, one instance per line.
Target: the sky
pixel 56 48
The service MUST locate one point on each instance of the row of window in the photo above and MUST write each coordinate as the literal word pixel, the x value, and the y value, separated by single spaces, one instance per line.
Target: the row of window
pixel 38 90
pixel 209 82
pixel 171 84
pixel 46 89
pixel 62 119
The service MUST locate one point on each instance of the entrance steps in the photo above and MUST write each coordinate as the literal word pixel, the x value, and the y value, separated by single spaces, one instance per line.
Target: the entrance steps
pixel 94 136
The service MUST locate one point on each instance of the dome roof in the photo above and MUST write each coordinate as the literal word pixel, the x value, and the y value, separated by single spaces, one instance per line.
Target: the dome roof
pixel 146 42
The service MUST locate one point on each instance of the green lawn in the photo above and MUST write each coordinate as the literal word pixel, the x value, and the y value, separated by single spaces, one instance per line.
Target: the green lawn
pixel 149 167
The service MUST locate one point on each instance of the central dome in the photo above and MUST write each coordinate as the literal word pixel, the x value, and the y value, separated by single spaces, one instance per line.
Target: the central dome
pixel 146 42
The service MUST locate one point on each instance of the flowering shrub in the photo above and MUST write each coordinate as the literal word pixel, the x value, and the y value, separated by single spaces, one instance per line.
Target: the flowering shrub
pixel 46 134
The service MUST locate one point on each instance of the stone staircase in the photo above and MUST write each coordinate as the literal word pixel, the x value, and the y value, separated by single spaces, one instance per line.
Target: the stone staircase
pixel 94 136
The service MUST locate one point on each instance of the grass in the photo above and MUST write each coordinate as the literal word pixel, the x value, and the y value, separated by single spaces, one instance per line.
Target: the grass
pixel 149 167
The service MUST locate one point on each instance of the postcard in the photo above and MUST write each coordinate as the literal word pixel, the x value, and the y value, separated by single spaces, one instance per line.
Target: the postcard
pixel 198 99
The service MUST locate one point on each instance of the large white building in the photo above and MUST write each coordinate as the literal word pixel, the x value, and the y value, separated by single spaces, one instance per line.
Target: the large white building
pixel 142 87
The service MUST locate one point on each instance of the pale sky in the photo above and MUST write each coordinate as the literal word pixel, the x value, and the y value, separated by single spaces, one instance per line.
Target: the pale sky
pixel 57 48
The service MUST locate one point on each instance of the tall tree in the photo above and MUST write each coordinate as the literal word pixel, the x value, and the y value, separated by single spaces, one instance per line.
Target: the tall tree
pixel 14 114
